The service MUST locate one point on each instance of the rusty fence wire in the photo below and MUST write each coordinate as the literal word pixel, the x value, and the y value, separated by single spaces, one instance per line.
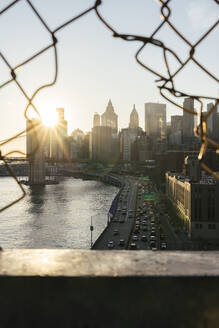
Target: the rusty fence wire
pixel 165 84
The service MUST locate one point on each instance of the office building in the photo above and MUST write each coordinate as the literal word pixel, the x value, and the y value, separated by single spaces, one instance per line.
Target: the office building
pixel 188 120
pixel 127 139
pixel 176 123
pixel 96 120
pixel 134 119
pixel 102 144
pixel 196 198
pixel 109 118
pixel 155 121
pixel 36 144
pixel 175 132
pixel 58 138
pixel 37 138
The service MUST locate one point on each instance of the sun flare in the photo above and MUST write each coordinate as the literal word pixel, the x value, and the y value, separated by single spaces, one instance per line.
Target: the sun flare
pixel 49 117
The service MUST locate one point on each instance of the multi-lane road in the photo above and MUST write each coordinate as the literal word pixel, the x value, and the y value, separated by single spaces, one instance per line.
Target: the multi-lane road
pixel 139 222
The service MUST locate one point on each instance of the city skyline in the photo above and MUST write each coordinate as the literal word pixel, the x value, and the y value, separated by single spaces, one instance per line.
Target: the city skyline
pixel 86 81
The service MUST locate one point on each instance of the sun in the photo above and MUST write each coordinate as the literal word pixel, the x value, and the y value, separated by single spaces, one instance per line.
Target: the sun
pixel 49 117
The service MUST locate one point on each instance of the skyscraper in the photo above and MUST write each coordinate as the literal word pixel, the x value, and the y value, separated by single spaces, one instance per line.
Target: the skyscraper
pixel 155 121
pixel 109 118
pixel 211 118
pixel 134 120
pixel 59 149
pixel 102 144
pixel 96 120
pixel 176 123
pixel 36 139
pixel 62 123
pixel 213 122
pixel 188 120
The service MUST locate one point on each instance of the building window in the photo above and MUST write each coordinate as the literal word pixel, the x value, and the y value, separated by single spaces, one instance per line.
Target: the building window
pixel 198 226
pixel 212 226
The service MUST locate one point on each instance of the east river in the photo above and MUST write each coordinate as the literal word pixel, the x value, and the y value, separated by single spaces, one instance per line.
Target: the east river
pixel 54 216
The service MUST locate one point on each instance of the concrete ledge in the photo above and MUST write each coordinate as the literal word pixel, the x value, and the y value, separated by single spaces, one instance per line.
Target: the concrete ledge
pixel 85 263
pixel 96 289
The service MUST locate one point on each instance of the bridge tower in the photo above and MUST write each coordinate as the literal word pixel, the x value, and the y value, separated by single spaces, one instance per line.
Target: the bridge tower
pixel 36 141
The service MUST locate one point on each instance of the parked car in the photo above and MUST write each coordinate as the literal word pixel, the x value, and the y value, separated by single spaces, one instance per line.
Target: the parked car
pixel 133 246
pixel 122 242
pixel 110 244
pixel 163 246
pixel 153 245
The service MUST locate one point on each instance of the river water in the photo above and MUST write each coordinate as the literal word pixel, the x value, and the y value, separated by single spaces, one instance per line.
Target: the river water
pixel 54 216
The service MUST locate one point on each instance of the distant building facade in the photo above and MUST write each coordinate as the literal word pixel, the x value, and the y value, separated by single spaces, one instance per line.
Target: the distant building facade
pixel 102 144
pixel 196 197
pixel 155 121
pixel 127 138
pixel 103 140
pixel 58 138
pixel 109 118
pixel 36 147
pixel 134 119
pixel 188 120
pixel 96 120
pixel 198 202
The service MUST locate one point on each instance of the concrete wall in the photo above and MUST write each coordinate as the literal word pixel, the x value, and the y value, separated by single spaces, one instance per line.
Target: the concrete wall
pixel 67 288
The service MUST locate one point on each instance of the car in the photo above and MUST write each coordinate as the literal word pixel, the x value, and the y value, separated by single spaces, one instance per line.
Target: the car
pixel 163 246
pixel 153 244
pixel 122 242
pixel 153 238
pixel 110 244
pixel 137 222
pixel 135 238
pixel 144 228
pixel 144 238
pixel 116 232
pixel 133 246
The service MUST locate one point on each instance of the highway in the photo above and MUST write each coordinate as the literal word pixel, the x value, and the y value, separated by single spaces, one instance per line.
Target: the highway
pixel 140 221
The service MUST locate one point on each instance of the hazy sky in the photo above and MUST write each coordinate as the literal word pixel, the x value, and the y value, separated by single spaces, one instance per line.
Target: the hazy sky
pixel 94 66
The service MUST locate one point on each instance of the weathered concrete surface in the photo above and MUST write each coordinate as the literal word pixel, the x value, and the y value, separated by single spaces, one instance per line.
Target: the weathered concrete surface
pixel 85 263
pixel 67 288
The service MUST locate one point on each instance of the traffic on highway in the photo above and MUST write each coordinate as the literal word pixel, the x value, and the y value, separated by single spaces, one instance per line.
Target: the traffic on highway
pixel 137 223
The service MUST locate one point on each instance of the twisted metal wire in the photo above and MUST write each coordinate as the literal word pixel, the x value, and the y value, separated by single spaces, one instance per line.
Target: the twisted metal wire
pixel 165 84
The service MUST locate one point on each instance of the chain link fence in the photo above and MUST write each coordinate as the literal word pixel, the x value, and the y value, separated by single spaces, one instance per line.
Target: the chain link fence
pixel 165 84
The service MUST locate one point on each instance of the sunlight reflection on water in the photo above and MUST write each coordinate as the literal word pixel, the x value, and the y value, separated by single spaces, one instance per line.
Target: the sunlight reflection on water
pixel 54 216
